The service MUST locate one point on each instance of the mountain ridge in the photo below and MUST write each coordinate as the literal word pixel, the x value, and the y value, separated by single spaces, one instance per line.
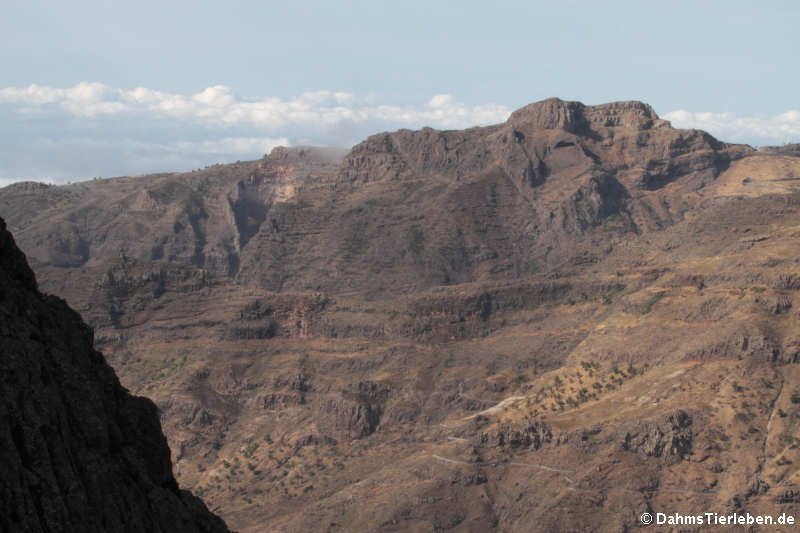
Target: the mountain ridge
pixel 606 297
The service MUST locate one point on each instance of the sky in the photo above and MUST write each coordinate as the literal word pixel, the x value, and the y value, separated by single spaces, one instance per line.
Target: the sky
pixel 107 88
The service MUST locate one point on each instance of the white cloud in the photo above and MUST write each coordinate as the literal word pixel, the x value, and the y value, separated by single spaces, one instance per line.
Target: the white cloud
pixel 440 100
pixel 759 130
pixel 218 105
pixel 31 95
pixel 318 112
pixel 83 100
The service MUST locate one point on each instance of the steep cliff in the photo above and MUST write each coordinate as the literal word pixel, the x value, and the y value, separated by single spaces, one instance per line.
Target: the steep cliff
pixel 77 451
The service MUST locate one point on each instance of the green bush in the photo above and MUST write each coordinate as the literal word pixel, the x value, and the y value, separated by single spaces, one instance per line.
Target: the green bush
pixel 654 299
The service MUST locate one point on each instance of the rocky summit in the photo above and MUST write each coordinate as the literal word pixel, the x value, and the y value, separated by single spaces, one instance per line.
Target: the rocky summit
pixel 556 323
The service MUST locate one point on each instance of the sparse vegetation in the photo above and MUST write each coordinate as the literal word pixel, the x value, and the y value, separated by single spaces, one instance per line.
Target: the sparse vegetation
pixel 742 417
pixel 795 398
pixel 249 450
pixel 608 298
pixel 654 299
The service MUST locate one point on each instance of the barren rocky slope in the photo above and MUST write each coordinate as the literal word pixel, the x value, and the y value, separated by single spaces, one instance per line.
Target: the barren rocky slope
pixel 563 320
pixel 77 451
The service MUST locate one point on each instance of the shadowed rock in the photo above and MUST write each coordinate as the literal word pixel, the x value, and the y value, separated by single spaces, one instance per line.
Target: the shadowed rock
pixel 77 451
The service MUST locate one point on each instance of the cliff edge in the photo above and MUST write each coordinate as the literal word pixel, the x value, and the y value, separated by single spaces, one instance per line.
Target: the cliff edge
pixel 77 451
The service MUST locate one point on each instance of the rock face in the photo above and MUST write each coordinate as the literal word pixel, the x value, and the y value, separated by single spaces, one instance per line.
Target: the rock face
pixel 563 172
pixel 357 413
pixel 532 434
pixel 575 117
pixel 670 437
pixel 77 451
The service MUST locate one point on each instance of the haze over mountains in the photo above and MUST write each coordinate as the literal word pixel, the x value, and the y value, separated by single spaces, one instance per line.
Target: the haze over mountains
pixel 566 319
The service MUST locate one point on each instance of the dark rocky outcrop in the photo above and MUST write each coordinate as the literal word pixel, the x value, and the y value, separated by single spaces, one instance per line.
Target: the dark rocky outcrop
pixel 669 437
pixel 749 343
pixel 77 451
pixel 278 316
pixel 356 413
pixel 533 434
pixel 576 117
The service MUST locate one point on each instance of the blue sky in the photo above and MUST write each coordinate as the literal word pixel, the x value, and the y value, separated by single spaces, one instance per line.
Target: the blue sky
pixel 90 88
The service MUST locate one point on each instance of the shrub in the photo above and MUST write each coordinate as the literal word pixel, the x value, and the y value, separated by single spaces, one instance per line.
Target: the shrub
pixel 248 450
pixel 657 297
pixel 795 398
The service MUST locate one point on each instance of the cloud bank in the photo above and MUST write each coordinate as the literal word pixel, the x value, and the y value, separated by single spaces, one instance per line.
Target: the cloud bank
pixel 92 129
pixel 730 127
pixel 218 105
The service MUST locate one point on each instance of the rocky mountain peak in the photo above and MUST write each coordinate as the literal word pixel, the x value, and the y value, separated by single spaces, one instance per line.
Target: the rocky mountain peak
pixel 550 114
pixel 630 114
pixel 13 265
pixel 554 113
